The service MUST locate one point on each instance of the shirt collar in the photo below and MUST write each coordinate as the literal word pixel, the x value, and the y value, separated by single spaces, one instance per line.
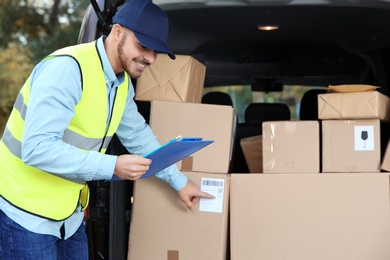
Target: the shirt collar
pixel 109 73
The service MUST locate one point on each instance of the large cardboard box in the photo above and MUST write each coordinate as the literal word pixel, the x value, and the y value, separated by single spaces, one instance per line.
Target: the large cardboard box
pixel 354 105
pixel 291 147
pixel 310 216
pixel 252 148
pixel 179 80
pixel 351 145
pixel 211 122
pixel 386 159
pixel 162 228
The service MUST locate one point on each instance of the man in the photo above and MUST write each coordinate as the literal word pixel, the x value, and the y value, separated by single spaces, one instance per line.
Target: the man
pixel 63 119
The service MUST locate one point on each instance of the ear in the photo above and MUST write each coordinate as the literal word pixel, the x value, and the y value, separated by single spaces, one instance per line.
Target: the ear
pixel 117 31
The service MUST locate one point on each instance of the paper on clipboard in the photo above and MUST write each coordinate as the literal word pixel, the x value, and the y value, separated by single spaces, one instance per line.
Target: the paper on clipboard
pixel 171 152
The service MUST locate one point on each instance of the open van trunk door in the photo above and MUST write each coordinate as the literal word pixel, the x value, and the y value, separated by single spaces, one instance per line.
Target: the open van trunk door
pixel 107 218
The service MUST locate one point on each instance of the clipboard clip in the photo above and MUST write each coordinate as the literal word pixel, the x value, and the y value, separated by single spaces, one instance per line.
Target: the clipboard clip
pixel 186 139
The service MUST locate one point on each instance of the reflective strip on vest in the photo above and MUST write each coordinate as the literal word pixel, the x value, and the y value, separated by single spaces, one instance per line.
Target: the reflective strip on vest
pixel 70 137
pixel 94 144
pixel 20 106
pixel 13 145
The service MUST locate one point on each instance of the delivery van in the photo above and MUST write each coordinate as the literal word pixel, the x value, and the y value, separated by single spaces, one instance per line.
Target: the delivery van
pixel 276 56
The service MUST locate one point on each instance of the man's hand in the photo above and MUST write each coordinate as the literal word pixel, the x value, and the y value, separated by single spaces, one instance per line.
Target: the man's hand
pixel 131 167
pixel 190 194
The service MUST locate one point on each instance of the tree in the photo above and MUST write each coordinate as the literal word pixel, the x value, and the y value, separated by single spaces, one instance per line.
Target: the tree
pixel 42 26
pixel 30 30
pixel 14 67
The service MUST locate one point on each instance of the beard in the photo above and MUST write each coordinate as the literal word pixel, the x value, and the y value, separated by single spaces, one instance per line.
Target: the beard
pixel 126 65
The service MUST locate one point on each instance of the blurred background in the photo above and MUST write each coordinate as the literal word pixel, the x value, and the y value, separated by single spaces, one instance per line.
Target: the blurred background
pixel 30 30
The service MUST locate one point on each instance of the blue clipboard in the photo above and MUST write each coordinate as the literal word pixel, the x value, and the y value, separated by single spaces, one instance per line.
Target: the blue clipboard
pixel 171 152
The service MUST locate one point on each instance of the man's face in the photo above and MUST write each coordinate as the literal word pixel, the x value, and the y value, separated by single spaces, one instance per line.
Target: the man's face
pixel 133 57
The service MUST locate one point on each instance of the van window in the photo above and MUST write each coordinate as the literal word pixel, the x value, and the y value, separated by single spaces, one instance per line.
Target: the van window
pixel 242 96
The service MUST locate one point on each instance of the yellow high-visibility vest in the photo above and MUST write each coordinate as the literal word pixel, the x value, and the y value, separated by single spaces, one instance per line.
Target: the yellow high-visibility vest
pixel 46 194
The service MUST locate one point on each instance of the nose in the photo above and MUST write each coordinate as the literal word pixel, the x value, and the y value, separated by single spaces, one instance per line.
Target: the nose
pixel 151 56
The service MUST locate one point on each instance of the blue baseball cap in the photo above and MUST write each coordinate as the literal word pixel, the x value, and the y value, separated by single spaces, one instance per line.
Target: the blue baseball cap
pixel 148 22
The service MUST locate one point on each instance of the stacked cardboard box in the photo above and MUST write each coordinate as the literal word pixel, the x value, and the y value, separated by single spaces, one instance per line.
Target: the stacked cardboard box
pixel 349 139
pixel 310 216
pixel 350 146
pixel 291 147
pixel 353 105
pixel 210 122
pixel 272 216
pixel 252 148
pixel 351 130
pixel 179 80
pixel 161 226
pixel 284 147
pixel 317 216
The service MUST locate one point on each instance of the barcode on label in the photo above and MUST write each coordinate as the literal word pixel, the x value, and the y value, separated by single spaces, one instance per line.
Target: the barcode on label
pixel 215 187
pixel 213 183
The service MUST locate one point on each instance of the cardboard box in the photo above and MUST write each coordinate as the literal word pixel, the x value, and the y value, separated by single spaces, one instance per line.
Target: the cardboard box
pixel 163 228
pixel 252 147
pixel 310 216
pixel 179 80
pixel 211 122
pixel 355 105
pixel 386 159
pixel 291 147
pixel 351 145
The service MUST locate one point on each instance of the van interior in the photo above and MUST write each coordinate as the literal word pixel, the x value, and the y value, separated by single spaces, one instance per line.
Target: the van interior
pixel 267 59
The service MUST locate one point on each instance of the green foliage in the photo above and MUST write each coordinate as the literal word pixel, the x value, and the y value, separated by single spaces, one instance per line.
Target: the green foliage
pixel 14 67
pixel 30 30
pixel 42 26
pixel 18 21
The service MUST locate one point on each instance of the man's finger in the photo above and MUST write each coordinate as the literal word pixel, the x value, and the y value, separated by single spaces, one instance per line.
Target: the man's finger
pixel 206 195
pixel 189 205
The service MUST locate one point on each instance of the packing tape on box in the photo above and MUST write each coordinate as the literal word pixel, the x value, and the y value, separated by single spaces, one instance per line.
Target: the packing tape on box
pixel 173 255
pixel 187 163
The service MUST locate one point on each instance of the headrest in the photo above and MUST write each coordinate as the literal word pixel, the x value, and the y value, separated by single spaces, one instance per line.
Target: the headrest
pixel 217 98
pixel 309 104
pixel 257 113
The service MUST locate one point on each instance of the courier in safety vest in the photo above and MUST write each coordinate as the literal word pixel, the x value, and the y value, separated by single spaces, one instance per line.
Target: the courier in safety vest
pixel 42 193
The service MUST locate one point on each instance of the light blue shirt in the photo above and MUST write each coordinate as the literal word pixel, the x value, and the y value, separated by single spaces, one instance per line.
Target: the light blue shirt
pixel 55 91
